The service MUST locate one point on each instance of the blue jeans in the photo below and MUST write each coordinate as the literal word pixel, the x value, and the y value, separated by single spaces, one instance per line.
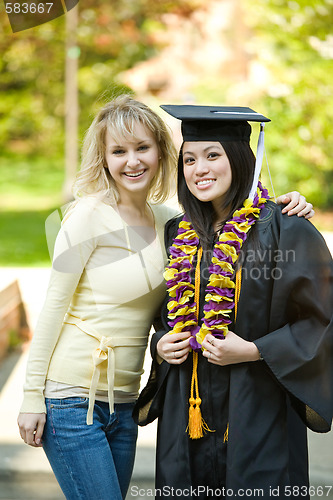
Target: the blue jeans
pixel 90 462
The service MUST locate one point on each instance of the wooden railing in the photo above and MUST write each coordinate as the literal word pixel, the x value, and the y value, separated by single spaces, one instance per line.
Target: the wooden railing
pixel 13 321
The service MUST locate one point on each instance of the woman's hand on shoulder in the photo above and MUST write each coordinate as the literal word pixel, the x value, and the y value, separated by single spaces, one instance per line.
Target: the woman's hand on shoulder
pixel 233 349
pixel 296 204
pixel 174 347
pixel 31 427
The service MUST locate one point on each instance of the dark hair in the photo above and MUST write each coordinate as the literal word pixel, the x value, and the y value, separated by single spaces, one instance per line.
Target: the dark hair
pixel 201 214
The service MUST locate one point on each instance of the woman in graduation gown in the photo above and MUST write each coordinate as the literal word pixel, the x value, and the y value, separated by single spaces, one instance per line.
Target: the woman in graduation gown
pixel 255 356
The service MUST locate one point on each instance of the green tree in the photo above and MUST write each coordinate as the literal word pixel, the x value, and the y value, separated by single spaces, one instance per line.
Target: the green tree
pixel 296 45
pixel 112 37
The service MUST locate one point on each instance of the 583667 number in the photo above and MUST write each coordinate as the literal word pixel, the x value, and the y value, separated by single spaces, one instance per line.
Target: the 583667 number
pixel 25 8
pixel 302 491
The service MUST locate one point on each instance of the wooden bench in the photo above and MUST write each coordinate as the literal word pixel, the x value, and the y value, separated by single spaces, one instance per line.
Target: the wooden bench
pixel 13 321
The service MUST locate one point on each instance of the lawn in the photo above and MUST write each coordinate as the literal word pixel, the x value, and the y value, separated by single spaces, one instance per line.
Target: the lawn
pixel 30 184
pixel 22 240
pixel 29 192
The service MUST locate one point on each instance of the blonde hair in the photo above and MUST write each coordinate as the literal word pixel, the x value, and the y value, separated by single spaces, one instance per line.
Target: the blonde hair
pixel 119 117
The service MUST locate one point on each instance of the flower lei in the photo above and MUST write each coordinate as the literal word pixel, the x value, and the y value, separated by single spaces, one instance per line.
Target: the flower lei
pixel 220 290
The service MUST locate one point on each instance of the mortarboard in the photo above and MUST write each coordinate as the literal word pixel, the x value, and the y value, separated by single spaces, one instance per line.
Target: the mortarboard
pixel 220 123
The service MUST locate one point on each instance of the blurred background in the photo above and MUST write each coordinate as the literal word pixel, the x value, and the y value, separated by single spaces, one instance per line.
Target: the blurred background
pixel 272 55
pixel 275 56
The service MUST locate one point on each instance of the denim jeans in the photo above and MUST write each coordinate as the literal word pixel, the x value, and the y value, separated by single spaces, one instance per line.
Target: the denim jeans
pixel 90 462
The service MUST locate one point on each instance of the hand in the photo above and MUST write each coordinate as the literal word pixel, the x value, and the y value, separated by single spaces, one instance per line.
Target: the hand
pixel 174 347
pixel 297 204
pixel 31 427
pixel 233 349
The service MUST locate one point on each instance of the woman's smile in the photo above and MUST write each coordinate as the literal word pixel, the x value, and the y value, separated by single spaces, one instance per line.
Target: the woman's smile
pixel 133 162
pixel 205 183
pixel 207 170
pixel 135 175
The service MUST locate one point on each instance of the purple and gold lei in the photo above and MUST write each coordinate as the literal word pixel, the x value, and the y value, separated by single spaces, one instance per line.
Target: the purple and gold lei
pixel 220 290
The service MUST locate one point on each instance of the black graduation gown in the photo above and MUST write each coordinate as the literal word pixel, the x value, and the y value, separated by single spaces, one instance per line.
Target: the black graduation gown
pixel 285 307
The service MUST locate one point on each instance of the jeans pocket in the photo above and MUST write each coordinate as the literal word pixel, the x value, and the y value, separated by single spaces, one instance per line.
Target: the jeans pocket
pixel 70 403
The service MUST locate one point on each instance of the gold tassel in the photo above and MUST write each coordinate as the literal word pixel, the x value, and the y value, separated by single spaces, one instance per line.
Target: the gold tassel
pixel 196 424
pixel 237 289
pixel 237 293
pixel 226 434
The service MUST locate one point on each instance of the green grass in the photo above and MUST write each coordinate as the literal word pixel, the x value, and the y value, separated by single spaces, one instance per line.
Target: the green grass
pixel 22 238
pixel 30 183
pixel 30 189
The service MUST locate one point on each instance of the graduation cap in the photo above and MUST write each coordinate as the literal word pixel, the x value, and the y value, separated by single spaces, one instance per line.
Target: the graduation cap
pixel 220 123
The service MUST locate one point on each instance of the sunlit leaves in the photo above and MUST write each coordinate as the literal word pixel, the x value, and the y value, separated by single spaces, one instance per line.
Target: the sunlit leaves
pixel 296 46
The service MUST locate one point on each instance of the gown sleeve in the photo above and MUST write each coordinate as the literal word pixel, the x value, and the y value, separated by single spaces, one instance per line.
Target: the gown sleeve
pixel 299 352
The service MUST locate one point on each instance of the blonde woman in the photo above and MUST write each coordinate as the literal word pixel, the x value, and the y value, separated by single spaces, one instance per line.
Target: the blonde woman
pixel 106 287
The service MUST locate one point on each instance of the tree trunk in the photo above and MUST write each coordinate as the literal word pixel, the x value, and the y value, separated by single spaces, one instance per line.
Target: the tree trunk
pixel 71 103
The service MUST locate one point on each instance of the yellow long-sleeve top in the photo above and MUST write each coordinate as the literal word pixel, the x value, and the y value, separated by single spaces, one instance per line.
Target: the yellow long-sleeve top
pixel 106 287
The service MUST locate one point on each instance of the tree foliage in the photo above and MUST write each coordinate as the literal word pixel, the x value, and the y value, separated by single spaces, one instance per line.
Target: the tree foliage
pixel 112 36
pixel 290 40
pixel 295 45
